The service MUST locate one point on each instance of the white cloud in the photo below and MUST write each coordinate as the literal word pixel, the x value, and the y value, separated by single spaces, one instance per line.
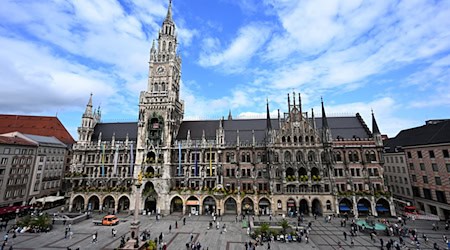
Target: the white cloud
pixel 238 53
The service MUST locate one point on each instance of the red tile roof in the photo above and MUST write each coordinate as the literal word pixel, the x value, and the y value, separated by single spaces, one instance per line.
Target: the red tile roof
pixel 16 141
pixel 35 125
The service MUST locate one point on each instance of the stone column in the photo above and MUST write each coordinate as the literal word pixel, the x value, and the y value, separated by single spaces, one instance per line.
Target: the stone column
pixel 355 206
pixel 373 207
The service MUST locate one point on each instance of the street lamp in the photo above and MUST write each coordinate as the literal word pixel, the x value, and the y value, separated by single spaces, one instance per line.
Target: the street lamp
pixel 134 227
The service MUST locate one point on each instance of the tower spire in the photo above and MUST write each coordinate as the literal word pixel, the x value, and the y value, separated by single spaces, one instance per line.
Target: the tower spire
pixel 269 124
pixel 375 129
pixel 324 116
pixel 300 106
pixel 169 12
pixel 289 104
pixel 88 111
pixel 230 117
pixel 326 133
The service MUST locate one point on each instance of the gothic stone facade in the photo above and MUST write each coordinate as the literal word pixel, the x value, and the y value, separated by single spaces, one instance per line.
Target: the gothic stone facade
pixel 290 164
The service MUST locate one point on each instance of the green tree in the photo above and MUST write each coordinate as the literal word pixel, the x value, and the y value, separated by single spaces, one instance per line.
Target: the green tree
pixel 284 224
pixel 264 228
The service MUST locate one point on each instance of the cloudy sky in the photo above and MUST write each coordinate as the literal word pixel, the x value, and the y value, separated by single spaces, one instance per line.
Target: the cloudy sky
pixel 389 56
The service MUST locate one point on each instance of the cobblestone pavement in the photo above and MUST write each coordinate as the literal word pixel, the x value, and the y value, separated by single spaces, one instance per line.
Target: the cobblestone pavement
pixel 323 235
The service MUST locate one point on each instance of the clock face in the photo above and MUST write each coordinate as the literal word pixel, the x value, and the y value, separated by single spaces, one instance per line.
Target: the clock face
pixel 160 70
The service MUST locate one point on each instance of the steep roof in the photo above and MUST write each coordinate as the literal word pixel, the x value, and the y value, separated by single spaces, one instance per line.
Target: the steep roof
pixel 35 125
pixel 13 140
pixel 344 127
pixel 120 129
pixel 430 133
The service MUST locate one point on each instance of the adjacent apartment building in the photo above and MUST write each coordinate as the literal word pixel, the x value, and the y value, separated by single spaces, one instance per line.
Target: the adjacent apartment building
pixel 17 158
pixel 396 173
pixel 428 160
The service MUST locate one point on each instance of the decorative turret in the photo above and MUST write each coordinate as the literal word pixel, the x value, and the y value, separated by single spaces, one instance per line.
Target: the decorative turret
pixel 268 123
pixel 326 133
pixel 88 122
pixel 230 117
pixel 376 131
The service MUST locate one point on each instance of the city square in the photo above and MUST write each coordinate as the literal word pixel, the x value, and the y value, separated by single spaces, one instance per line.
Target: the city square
pixel 323 235
pixel 275 124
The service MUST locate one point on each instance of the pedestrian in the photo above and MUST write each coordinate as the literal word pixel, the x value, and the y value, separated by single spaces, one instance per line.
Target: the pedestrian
pixel 192 237
pixel 268 245
pixel 236 219
pixel 70 234
pixel 170 228
pixel 64 222
pixel 184 221
pixel 94 238
pixel 345 236
pixel 381 243
pixel 352 243
pixel 176 224
pixel 114 233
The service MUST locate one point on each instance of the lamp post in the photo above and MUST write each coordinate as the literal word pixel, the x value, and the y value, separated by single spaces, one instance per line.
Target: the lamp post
pixel 134 227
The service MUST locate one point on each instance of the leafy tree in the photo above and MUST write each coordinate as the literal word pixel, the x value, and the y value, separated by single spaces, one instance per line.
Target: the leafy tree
pixel 284 224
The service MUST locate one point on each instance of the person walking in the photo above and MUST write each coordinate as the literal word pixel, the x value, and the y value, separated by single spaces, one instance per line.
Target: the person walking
pixel 94 238
pixel 114 233
pixel 381 243
pixel 345 235
pixel 268 245
pixel 176 224
pixel 170 228
pixel 184 221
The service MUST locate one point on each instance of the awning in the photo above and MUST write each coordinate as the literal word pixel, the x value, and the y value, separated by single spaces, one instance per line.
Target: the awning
pixel 264 203
pixel 382 209
pixel 192 203
pixel 361 207
pixel 50 199
pixel 291 204
pixel 344 208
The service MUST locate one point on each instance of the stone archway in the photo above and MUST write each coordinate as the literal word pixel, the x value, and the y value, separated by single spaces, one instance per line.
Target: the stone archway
pixel 150 198
pixel 124 204
pixel 93 203
pixel 304 207
pixel 176 205
pixel 364 207
pixel 247 206
pixel 291 207
pixel 264 206
pixel 317 207
pixel 109 203
pixel 209 205
pixel 193 205
pixel 345 206
pixel 383 208
pixel 230 206
pixel 78 203
pixel 150 172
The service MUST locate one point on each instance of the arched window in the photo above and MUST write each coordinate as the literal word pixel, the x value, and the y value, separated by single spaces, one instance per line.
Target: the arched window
pixel 164 46
pixel 170 46
pixel 295 139
pixel 163 87
pixel 312 140
pixel 156 89
pixel 299 156
pixel 288 139
pixel 311 156
pixel 287 156
pixel 283 139
pixel 276 158
pixel 338 156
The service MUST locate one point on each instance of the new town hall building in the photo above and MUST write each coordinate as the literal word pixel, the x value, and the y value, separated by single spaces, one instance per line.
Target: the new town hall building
pixel 290 164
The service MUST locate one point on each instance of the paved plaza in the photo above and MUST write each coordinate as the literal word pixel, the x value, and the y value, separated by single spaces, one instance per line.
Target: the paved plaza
pixel 323 235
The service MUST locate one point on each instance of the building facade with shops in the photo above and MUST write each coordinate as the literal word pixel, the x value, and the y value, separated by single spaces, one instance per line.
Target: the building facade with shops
pixel 290 164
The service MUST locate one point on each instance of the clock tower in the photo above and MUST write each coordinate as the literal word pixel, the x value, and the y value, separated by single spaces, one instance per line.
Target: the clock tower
pixel 160 108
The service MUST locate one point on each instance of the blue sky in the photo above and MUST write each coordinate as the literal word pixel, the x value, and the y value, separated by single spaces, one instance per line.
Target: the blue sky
pixel 389 56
